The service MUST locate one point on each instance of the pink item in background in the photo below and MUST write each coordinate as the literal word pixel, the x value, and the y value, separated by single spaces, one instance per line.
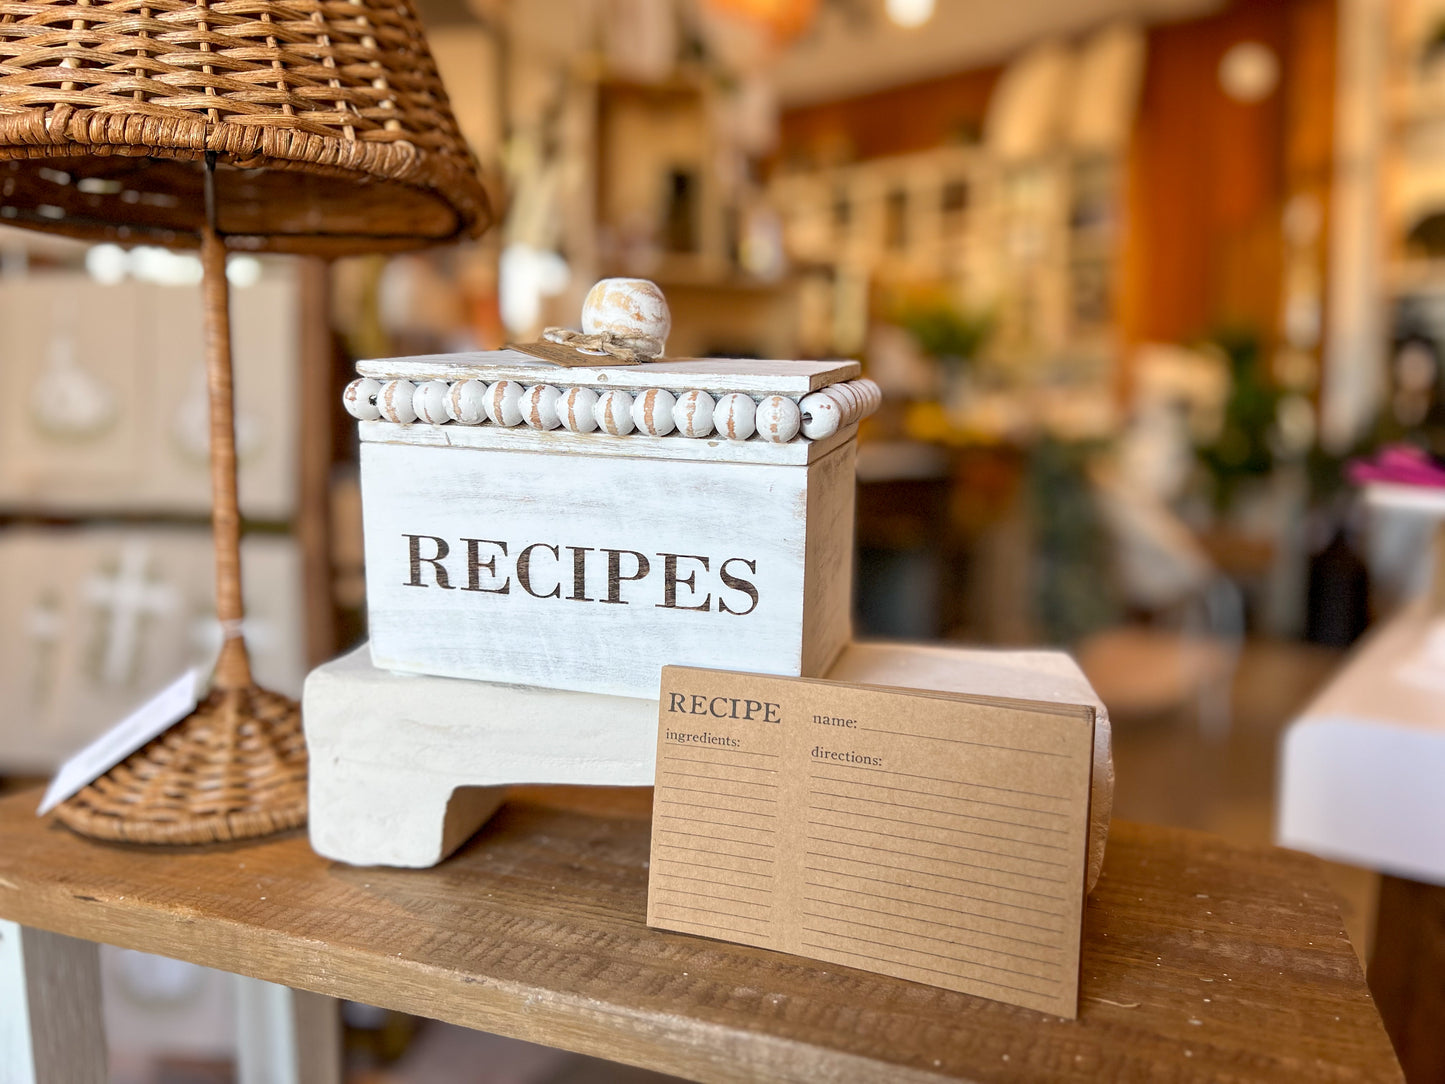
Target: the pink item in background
pixel 1401 464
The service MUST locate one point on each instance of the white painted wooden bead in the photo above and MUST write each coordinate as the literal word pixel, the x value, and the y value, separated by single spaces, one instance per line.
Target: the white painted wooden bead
pixel 822 415
pixel 733 416
pixel 848 400
pixel 577 409
pixel 875 394
pixel 693 413
pixel 467 402
pixel 634 311
pixel 870 400
pixel 652 412
pixel 539 406
pixel 396 401
pixel 504 403
pixel 778 419
pixel 430 402
pixel 614 412
pixel 360 399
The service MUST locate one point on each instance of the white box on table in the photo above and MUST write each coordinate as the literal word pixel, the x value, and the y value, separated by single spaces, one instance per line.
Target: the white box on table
pixel 588 561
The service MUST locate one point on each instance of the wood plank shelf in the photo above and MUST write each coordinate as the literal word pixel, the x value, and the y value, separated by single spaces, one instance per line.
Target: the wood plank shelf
pixel 1202 960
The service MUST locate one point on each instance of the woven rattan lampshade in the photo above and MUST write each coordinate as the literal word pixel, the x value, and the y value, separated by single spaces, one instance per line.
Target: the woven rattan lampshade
pixel 303 126
pixel 330 127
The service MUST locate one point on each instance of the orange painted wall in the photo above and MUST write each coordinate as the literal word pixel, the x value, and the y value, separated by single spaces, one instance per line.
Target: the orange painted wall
pixel 916 117
pixel 1209 176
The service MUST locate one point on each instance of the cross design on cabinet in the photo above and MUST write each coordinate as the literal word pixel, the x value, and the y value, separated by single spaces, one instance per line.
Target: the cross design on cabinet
pixel 126 599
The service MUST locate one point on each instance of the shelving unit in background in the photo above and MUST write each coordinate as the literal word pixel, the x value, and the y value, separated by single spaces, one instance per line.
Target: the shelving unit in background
pixel 1008 202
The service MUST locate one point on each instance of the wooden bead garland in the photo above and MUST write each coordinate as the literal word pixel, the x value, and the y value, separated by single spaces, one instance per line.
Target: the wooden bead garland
pixel 430 402
pixel 654 412
pixel 693 413
pixel 539 406
pixel 822 415
pixel 467 402
pixel 396 401
pixel 778 419
pixel 360 399
pixel 825 412
pixel 614 412
pixel 578 410
pixel 733 416
pixel 504 403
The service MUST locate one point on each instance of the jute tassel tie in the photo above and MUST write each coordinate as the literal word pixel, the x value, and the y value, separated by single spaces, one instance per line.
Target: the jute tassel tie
pixel 626 351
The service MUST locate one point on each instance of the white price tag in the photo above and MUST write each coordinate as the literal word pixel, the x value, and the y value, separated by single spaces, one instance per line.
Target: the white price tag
pixel 154 717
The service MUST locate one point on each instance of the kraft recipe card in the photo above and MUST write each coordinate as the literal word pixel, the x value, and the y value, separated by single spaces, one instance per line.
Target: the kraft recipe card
pixel 924 835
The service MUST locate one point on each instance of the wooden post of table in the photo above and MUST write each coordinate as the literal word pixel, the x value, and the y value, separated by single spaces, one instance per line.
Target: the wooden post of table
pixel 286 1036
pixel 1405 971
pixel 313 498
pixel 51 1029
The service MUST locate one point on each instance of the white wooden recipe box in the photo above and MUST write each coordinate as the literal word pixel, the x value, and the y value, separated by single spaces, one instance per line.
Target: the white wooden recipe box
pixel 580 528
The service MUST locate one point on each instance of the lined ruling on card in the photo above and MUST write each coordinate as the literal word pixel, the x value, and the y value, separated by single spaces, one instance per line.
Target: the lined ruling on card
pixel 927 836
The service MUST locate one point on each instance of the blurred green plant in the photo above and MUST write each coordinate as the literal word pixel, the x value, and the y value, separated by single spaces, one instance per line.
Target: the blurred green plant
pixel 1074 590
pixel 1242 450
pixel 948 333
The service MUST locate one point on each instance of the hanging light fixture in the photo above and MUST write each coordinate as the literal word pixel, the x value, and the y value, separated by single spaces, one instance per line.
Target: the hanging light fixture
pixel 909 13
pixel 785 20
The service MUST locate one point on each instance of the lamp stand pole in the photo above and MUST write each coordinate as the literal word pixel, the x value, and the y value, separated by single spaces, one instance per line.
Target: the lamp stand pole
pixel 233 667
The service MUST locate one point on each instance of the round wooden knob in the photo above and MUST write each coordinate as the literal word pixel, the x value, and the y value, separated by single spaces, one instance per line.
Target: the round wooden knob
pixel 577 409
pixel 633 311
pixel 652 412
pixel 614 412
pixel 692 413
pixel 734 416
pixel 360 399
pixel 467 402
pixel 539 406
pixel 504 403
pixel 778 419
pixel 396 401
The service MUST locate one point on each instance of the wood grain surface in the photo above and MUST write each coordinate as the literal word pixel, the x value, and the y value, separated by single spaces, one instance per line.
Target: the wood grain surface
pixel 1202 960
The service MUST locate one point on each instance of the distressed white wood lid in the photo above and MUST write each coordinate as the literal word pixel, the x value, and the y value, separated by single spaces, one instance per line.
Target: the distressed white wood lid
pixel 713 375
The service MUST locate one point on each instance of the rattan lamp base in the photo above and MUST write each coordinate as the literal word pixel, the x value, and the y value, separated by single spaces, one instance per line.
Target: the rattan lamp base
pixel 233 769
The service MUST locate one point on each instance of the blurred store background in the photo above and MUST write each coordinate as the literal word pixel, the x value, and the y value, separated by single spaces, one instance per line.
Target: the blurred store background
pixel 1138 279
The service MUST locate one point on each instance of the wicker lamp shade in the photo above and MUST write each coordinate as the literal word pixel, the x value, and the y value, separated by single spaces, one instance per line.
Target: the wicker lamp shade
pixel 327 119
pixel 303 126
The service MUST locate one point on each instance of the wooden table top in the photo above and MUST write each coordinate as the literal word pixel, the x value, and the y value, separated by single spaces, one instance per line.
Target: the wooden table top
pixel 1202 960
